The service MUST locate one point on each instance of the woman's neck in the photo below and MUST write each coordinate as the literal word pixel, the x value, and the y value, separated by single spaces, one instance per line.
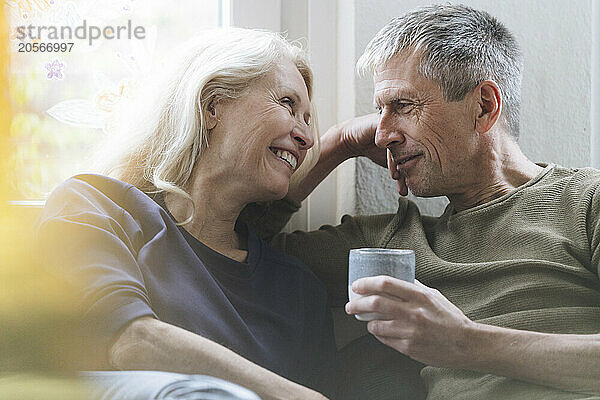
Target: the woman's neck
pixel 215 212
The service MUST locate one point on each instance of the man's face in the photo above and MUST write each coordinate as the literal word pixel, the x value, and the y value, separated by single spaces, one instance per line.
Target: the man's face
pixel 433 143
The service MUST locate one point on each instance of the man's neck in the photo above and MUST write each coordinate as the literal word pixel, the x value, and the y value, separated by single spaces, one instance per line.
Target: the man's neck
pixel 505 169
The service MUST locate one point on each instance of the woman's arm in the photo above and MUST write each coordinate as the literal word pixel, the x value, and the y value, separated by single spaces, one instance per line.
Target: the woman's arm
pixel 352 138
pixel 87 236
pixel 150 344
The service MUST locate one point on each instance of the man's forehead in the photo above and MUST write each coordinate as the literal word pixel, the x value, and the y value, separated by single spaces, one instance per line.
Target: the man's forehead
pixel 403 61
pixel 393 86
pixel 385 94
pixel 400 77
pixel 390 71
pixel 398 71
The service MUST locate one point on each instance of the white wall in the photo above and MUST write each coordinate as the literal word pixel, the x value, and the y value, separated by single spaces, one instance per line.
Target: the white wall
pixel 313 24
pixel 595 110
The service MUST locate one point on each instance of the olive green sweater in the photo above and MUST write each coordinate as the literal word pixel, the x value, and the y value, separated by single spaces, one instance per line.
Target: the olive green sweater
pixel 528 260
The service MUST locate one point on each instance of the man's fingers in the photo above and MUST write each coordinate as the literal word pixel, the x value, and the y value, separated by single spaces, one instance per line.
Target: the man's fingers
pixel 419 284
pixel 383 284
pixel 396 175
pixel 402 188
pixel 388 307
pixel 392 165
pixel 392 329
pixel 400 345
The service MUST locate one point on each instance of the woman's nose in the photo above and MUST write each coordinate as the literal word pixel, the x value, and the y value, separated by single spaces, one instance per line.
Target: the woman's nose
pixel 304 137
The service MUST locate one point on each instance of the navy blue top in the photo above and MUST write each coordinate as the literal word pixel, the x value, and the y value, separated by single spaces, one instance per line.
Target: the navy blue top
pixel 137 262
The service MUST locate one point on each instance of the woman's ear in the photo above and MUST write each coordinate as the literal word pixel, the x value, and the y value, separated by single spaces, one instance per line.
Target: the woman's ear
pixel 489 105
pixel 211 115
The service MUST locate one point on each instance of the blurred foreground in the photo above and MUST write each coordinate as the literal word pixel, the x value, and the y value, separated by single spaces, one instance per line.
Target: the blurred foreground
pixel 39 322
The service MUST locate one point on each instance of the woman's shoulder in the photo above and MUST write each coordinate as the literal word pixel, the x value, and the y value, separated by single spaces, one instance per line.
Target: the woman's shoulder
pixel 99 208
pixel 91 185
pixel 99 194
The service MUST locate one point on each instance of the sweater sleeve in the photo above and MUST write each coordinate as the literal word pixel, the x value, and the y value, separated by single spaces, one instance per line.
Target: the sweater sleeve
pixel 88 238
pixel 325 250
pixel 593 231
pixel 269 218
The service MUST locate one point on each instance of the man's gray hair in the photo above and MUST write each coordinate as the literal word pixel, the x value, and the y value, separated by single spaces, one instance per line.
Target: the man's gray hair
pixel 461 47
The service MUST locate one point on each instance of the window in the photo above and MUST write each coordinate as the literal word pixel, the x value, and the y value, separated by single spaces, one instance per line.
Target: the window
pixel 72 63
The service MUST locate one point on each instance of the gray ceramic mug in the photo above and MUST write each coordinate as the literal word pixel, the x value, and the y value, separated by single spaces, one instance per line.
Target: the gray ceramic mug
pixel 375 261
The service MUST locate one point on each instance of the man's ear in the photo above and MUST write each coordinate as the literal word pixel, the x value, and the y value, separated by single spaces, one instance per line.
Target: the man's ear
pixel 489 105
pixel 211 114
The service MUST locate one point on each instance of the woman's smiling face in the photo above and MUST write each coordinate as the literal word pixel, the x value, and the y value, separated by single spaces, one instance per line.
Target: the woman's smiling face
pixel 261 138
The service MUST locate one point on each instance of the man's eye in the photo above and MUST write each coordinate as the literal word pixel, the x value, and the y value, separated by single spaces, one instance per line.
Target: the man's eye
pixel 379 109
pixel 402 106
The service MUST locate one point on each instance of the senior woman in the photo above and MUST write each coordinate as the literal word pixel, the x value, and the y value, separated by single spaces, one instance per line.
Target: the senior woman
pixel 178 282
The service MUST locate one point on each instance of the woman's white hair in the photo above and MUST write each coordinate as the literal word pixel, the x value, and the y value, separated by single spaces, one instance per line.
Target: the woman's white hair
pixel 165 130
pixel 460 48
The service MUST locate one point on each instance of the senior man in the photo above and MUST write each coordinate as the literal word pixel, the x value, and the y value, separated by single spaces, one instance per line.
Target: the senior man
pixel 507 303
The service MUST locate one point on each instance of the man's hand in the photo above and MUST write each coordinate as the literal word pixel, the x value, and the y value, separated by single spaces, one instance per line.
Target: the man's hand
pixel 421 323
pixel 352 138
pixel 395 174
pixel 358 137
pixel 417 320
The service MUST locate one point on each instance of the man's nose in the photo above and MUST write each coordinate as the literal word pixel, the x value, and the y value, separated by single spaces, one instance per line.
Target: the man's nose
pixel 388 132
pixel 304 137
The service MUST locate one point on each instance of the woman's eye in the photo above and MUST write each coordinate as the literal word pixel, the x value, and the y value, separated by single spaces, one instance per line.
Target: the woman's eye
pixel 379 109
pixel 288 102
